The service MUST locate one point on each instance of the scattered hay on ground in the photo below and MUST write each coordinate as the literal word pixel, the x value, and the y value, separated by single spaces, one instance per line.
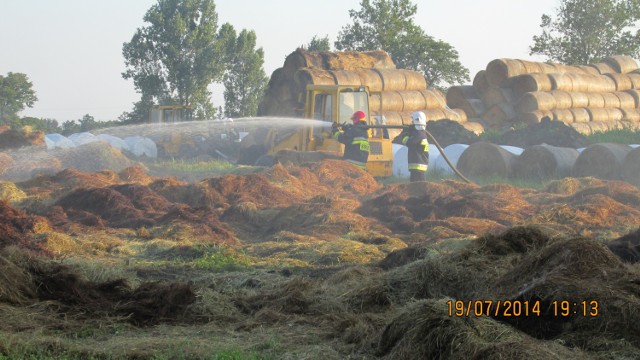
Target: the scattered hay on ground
pixel 93 156
pixel 627 247
pixel 10 192
pixel 6 161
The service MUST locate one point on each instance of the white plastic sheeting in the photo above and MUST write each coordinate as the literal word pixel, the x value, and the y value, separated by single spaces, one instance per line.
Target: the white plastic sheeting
pixel 513 149
pixel 82 138
pixel 114 141
pixel 54 141
pixel 140 146
pixel 453 153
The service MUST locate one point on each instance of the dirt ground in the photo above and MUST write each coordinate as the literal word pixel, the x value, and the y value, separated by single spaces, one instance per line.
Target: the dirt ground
pixel 317 261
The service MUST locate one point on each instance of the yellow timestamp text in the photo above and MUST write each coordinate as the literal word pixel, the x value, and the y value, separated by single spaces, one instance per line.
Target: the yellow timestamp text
pixel 518 308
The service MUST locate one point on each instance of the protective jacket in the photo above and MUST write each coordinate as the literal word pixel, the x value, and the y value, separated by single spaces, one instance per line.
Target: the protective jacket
pixel 356 144
pixel 417 148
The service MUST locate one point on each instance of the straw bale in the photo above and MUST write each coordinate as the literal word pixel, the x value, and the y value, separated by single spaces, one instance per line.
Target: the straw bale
pixel 531 66
pixel 563 99
pixel 472 107
pixel 636 96
pixel 631 115
pixel 606 84
pixel 582 128
pixel 499 70
pixel 434 98
pixel 615 114
pixel 595 100
pixel 611 100
pixel 589 70
pixel 499 115
pixel 622 81
pixel 602 161
pixel 598 125
pixel 391 101
pixel 328 60
pixel 432 114
pixel 603 68
pixel 534 101
pixel 460 114
pixel 547 68
pixel 457 94
pixel 564 115
pixel 580 82
pixel 370 78
pixel 621 63
pixel 392 80
pixel 413 100
pixel 635 79
pixel 414 80
pixel 545 162
pixel 312 76
pixel 561 81
pixel 480 81
pixel 598 114
pixel 484 159
pixel 496 95
pixel 530 82
pixel 631 167
pixel 579 99
pixel 474 126
pixel 580 115
pixel 534 117
pixel 627 100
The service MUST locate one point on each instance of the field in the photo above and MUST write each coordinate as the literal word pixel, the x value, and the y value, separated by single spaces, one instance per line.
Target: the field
pixel 315 261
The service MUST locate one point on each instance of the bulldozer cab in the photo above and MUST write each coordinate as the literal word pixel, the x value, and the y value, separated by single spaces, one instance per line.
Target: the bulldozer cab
pixel 170 114
pixel 171 144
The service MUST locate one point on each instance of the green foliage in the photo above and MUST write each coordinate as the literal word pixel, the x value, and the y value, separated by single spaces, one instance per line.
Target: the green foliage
pixel 319 44
pixel 16 93
pixel 388 25
pixel 586 31
pixel 222 258
pixel 619 136
pixel 245 80
pixel 176 56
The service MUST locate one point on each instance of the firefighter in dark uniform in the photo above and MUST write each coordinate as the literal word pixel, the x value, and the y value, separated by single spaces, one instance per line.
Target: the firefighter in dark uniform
pixel 355 139
pixel 415 139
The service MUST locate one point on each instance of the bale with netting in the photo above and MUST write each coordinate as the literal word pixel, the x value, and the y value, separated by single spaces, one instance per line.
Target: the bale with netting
pixel 622 64
pixel 631 167
pixel 525 83
pixel 485 160
pixel 622 81
pixel 603 161
pixel 541 162
pixel 497 95
pixel 535 101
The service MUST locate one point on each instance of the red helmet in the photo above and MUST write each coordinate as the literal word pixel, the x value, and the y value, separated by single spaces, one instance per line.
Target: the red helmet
pixel 359 116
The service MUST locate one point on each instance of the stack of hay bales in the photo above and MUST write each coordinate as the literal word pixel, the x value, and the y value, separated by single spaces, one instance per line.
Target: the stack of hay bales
pixel 395 93
pixel 590 98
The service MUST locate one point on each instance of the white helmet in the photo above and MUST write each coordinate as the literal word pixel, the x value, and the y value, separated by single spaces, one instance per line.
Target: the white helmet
pixel 419 120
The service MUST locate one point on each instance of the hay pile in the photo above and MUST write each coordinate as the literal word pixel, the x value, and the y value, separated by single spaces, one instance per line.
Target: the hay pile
pixel 17 138
pixel 5 162
pixel 396 93
pixel 93 156
pixel 590 98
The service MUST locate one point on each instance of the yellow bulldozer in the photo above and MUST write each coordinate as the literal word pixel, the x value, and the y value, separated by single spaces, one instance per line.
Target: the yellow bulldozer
pixel 326 104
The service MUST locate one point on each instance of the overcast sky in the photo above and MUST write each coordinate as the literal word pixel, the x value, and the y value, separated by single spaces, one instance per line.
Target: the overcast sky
pixel 71 50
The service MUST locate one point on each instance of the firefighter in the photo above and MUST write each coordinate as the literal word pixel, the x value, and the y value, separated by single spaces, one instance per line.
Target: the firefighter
pixel 355 140
pixel 415 139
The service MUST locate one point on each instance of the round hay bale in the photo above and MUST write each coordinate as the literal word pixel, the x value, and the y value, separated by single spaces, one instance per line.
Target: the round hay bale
pixel 309 76
pixel 499 70
pixel 563 99
pixel 499 115
pixel 480 81
pixel 472 107
pixel 352 60
pixel 413 100
pixel 631 167
pixel 485 160
pixel 94 156
pixel 547 68
pixel 631 115
pixel 595 100
pixel 582 128
pixel 434 98
pixel 603 68
pixel 611 100
pixel 393 118
pixel 598 114
pixel 602 161
pixel 460 114
pixel 371 78
pixel 580 115
pixel 474 126
pixel 375 104
pixel 579 82
pixel 564 115
pixel 525 83
pixel 627 101
pixel 589 70
pixel 579 99
pixel 391 101
pixel 561 82
pixel 346 77
pixel 414 80
pixel 431 114
pixel 531 66
pixel 457 95
pixel 496 95
pixel 622 81
pixel 607 84
pixel 615 114
pixel 538 100
pixel 635 79
pixel 544 161
pixel 598 126
pixel 621 63
pixel 635 94
pixel 534 117
pixel 392 80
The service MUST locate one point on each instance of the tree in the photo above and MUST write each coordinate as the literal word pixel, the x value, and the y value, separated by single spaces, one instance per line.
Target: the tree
pixel 388 25
pixel 16 94
pixel 586 31
pixel 245 80
pixel 318 44
pixel 174 59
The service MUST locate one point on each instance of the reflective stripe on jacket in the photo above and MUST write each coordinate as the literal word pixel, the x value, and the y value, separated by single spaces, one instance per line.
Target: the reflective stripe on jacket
pixel 417 148
pixel 356 145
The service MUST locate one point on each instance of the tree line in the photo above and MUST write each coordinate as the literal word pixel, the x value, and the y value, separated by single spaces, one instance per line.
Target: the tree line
pixel 182 49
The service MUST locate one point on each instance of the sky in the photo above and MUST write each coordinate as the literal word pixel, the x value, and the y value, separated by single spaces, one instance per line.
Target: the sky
pixel 71 50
